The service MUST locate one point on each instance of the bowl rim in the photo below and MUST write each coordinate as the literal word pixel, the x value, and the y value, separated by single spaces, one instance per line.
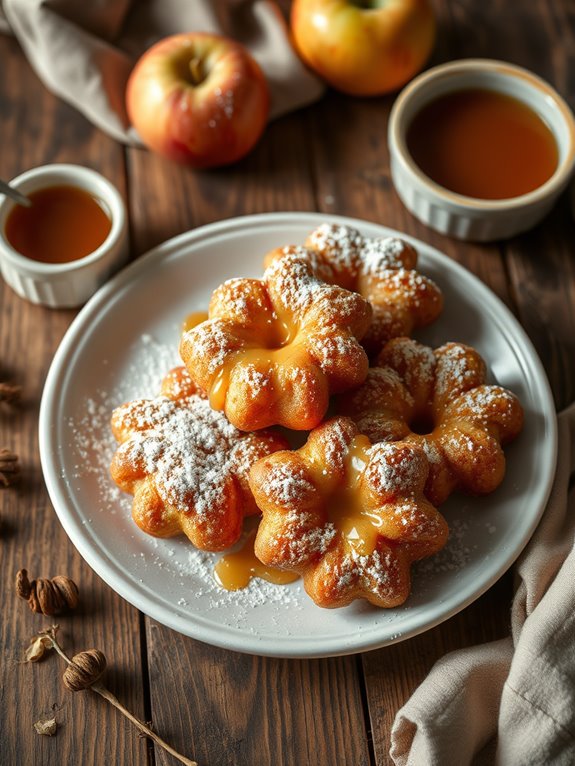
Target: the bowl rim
pixel 505 70
pixel 71 175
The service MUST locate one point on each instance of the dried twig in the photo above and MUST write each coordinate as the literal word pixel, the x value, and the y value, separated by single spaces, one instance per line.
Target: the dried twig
pixel 85 671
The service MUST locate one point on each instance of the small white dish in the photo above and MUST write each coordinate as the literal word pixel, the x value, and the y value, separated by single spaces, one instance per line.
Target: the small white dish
pixel 124 341
pixel 464 217
pixel 65 285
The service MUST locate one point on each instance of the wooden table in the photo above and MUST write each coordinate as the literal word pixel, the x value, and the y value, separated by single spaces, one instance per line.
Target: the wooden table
pixel 214 705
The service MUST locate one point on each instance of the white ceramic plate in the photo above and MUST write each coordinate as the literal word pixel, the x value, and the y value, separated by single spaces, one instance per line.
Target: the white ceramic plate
pixel 126 338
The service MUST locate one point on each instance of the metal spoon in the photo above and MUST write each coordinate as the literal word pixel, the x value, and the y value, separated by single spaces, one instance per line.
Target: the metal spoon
pixel 14 194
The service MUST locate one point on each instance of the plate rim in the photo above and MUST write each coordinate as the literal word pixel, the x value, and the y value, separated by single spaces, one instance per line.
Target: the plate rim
pixel 217 636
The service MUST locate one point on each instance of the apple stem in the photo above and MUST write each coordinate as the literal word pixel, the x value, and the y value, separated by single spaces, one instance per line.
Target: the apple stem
pixel 197 70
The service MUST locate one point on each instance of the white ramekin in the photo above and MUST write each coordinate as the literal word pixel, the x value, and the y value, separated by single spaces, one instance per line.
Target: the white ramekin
pixel 465 217
pixel 65 285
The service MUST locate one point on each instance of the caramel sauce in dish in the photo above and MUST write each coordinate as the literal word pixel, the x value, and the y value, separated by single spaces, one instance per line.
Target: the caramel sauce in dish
pixel 482 144
pixel 235 570
pixel 63 224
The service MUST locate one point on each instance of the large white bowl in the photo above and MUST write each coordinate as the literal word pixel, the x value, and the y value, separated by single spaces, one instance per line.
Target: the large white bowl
pixel 465 217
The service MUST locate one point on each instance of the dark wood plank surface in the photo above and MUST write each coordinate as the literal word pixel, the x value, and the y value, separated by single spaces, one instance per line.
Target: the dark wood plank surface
pixel 218 706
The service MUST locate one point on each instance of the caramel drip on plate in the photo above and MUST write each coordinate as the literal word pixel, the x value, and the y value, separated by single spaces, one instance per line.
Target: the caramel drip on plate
pixel 235 570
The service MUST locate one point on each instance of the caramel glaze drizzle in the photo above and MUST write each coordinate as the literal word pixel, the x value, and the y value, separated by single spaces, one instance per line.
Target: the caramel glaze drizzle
pixel 345 505
pixel 193 320
pixel 280 346
pixel 235 570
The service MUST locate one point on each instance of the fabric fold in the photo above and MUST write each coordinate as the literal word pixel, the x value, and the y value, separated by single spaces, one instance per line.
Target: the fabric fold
pixel 515 697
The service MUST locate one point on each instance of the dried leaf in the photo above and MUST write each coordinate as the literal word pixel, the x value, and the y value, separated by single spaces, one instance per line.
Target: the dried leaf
pixel 46 726
pixel 9 468
pixel 47 596
pixel 67 590
pixel 37 648
pixel 9 393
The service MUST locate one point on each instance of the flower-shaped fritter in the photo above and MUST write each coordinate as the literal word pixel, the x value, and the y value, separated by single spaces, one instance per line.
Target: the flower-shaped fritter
pixel 382 270
pixel 273 350
pixel 186 466
pixel 349 516
pixel 439 400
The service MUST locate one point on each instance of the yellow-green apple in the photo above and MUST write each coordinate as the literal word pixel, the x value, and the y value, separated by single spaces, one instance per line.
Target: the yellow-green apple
pixel 364 47
pixel 198 98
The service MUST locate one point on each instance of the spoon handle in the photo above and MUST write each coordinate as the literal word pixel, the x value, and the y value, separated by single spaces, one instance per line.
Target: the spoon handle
pixel 14 194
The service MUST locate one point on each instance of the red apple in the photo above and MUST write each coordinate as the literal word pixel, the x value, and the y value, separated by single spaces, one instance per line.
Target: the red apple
pixel 198 98
pixel 364 47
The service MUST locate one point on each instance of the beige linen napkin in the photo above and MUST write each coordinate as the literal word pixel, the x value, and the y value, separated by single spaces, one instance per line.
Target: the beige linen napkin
pixel 511 702
pixel 84 51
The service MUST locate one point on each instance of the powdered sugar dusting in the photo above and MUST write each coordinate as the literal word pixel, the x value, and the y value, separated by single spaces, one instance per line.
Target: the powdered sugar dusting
pixel 330 348
pixel 184 444
pixel 94 443
pixel 460 421
pixel 395 469
pixel 334 444
pixel 288 485
pixel 374 392
pixel 354 256
pixel 416 362
pixel 190 570
pixel 248 375
pixel 293 284
pixel 294 287
pixel 458 368
pixel 406 285
pixel 302 538
pixel 340 245
pixel 380 255
pixel 211 341
pixel 454 557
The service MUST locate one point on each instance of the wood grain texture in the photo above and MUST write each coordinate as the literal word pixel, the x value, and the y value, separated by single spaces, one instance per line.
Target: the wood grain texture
pixel 40 129
pixel 230 709
pixel 392 674
pixel 542 272
pixel 166 200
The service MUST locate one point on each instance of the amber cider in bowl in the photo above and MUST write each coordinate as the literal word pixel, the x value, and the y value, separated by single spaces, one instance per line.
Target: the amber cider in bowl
pixel 483 144
pixel 480 149
pixel 72 237
pixel 63 223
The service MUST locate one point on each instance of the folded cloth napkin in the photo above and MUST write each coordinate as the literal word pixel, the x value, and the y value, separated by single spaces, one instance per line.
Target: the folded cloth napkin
pixel 84 51
pixel 510 702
